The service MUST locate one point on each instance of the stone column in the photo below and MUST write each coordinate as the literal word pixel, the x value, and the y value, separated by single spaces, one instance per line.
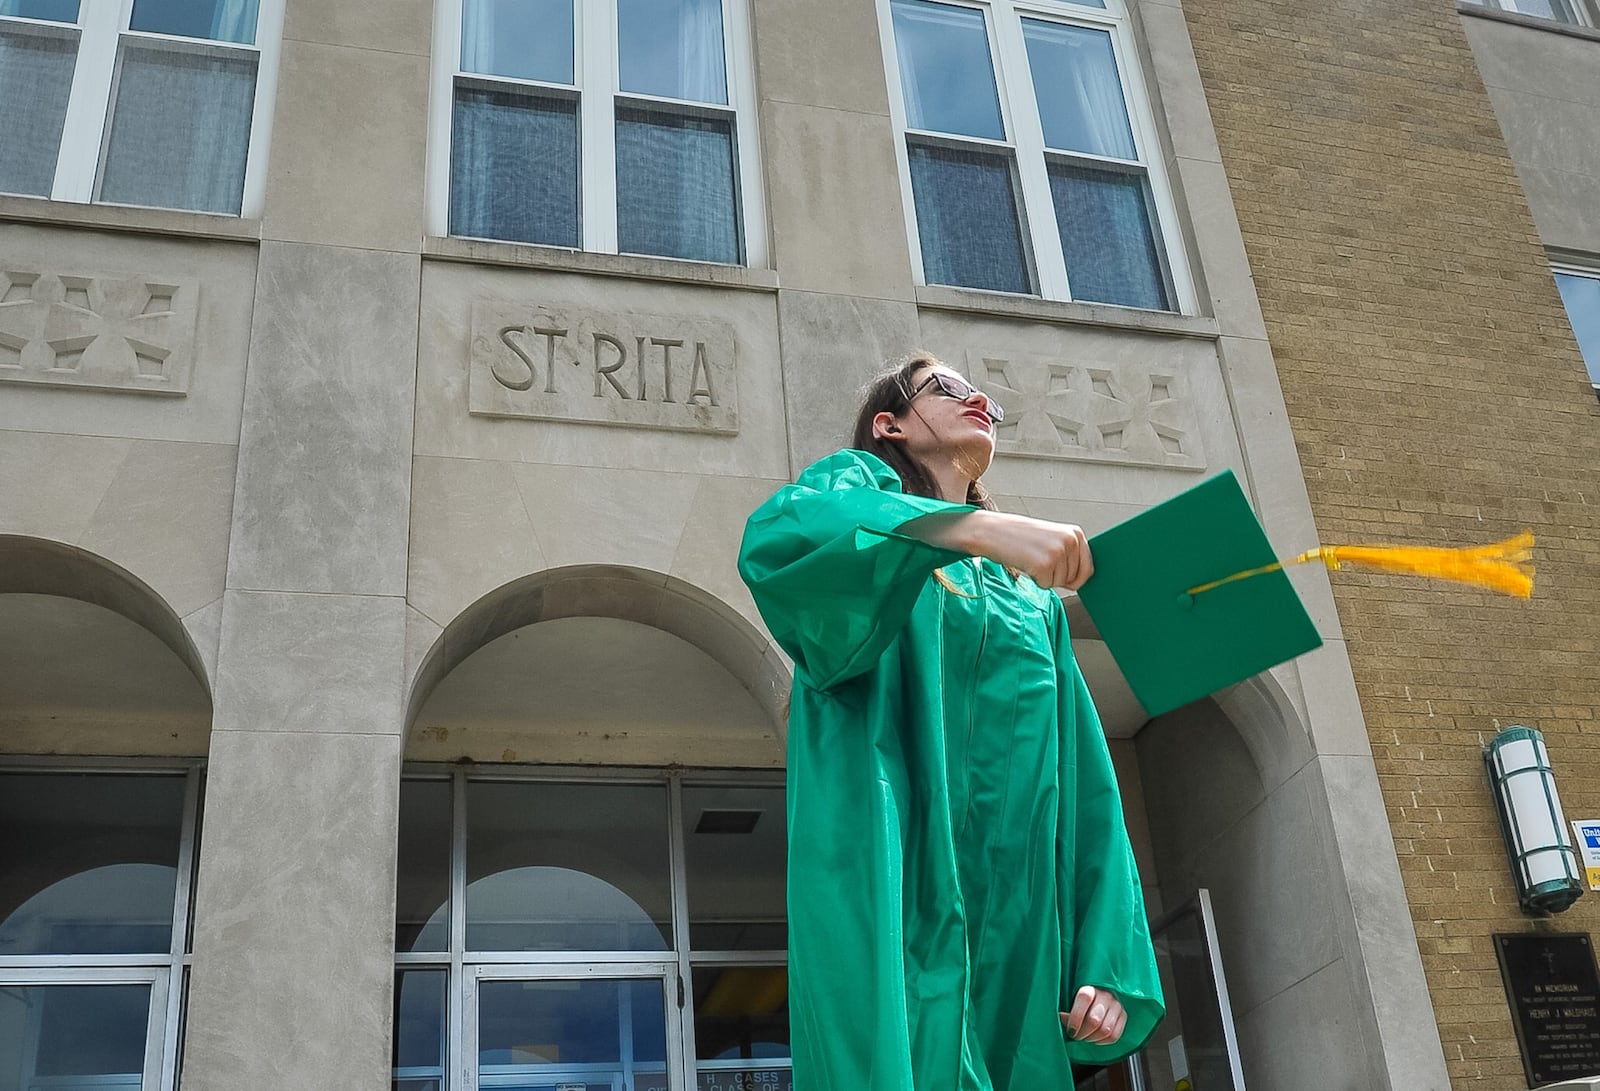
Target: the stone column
pixel 293 949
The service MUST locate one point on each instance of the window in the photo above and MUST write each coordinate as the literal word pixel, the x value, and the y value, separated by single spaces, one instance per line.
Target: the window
pixel 591 934
pixel 618 126
pixel 1028 156
pixel 161 103
pixel 95 874
pixel 1560 11
pixel 1580 291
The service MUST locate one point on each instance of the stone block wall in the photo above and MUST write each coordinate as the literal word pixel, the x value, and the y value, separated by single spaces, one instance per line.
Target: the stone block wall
pixel 1437 396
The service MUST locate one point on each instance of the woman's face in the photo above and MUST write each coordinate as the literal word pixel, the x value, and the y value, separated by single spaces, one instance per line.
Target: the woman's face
pixel 937 426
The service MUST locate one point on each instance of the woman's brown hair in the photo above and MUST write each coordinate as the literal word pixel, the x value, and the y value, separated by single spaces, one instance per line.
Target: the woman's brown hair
pixel 890 392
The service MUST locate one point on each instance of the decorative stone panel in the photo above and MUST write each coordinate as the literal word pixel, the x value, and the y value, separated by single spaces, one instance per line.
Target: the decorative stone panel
pixel 104 333
pixel 1101 412
pixel 638 370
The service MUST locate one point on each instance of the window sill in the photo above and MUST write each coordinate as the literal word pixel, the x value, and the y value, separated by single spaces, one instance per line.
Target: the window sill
pixel 966 300
pixel 561 259
pixel 1531 21
pixel 148 221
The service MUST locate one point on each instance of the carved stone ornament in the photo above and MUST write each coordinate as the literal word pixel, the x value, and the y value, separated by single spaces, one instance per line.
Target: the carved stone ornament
pixel 131 336
pixel 1087 410
pixel 634 370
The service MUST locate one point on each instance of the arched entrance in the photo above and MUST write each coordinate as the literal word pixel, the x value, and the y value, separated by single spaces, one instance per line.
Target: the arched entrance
pixel 592 841
pixel 105 718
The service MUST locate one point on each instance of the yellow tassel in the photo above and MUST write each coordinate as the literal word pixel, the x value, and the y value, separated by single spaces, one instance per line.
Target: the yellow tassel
pixel 1502 566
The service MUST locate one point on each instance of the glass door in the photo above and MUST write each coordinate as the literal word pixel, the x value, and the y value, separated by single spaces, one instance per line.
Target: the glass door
pixel 545 1030
pixel 1194 1047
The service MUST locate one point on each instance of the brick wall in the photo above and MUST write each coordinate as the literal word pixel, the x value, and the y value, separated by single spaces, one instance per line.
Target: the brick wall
pixel 1437 396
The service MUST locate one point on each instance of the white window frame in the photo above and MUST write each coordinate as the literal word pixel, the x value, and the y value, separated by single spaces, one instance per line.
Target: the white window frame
pixel 597 84
pixel 674 968
pixel 86 130
pixel 1008 56
pixel 1580 10
pixel 164 972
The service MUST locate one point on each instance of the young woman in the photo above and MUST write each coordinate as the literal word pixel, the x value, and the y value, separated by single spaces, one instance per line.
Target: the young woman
pixel 964 913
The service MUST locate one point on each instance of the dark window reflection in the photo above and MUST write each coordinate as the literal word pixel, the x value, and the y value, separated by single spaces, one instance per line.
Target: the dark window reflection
pixel 53 1035
pixel 567 867
pixel 422 894
pixel 741 1013
pixel 419 1029
pixel 735 846
pixel 88 863
pixel 584 1033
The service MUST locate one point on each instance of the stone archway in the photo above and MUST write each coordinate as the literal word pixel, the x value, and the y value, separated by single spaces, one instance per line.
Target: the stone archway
pixel 97 662
pixel 1293 846
pixel 593 635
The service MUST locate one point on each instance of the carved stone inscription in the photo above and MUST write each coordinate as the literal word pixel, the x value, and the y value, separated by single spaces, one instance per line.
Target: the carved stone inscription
pixel 105 333
pixel 639 370
pixel 1102 412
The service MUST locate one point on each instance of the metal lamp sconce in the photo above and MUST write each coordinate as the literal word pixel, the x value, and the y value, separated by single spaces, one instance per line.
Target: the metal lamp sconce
pixel 1544 861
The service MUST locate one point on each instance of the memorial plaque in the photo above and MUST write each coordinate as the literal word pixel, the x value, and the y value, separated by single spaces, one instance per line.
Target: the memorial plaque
pixel 1554 994
pixel 633 370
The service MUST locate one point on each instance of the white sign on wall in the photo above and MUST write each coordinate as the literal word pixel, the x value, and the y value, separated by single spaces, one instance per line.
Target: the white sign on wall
pixel 1588 834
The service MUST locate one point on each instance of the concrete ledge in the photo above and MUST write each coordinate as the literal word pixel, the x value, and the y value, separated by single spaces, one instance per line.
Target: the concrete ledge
pixel 1005 305
pixel 1518 19
pixel 146 221
pixel 561 259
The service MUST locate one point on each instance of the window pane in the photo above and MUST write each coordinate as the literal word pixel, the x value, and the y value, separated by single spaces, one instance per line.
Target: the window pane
pixel 967 217
pixel 675 194
pixel 672 48
pixel 1107 237
pixel 422 889
pixel 419 1029
pixel 35 78
pixel 523 39
pixel 596 1035
pixel 1582 296
pixel 734 849
pixel 741 1013
pixel 57 11
pixel 180 129
pixel 514 167
pixel 1079 94
pixel 567 867
pixel 50 1034
pixel 219 20
pixel 88 864
pixel 945 71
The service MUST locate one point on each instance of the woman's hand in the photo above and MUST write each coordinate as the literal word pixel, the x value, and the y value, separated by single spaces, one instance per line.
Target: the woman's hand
pixel 1097 1016
pixel 1053 554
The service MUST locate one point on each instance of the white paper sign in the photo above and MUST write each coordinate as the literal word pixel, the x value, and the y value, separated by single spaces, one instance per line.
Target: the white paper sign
pixel 1587 831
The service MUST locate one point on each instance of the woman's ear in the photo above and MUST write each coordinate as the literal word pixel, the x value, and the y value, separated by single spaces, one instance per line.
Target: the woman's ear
pixel 886 426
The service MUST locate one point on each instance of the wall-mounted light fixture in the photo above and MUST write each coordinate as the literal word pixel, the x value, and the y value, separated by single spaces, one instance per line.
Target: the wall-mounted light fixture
pixel 1544 862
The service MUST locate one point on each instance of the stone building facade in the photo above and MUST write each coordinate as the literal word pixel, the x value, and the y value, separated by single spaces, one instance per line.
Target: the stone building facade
pixel 383 388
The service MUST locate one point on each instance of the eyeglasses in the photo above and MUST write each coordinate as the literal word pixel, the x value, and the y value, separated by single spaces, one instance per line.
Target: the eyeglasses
pixel 954 386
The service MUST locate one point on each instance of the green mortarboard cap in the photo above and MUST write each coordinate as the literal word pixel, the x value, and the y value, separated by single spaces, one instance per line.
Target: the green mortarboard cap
pixel 1174 647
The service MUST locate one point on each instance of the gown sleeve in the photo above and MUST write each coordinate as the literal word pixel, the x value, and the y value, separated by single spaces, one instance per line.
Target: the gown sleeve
pixel 830 567
pixel 1105 932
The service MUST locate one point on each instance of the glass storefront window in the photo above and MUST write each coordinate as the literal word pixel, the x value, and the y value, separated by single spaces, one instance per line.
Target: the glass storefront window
pixel 567 867
pixel 606 935
pixel 94 903
pixel 89 863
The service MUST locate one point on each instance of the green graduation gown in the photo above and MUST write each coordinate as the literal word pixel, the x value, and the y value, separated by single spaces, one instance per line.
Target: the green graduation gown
pixel 958 863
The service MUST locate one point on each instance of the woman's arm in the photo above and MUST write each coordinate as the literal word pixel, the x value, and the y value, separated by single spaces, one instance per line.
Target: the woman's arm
pixel 1053 554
